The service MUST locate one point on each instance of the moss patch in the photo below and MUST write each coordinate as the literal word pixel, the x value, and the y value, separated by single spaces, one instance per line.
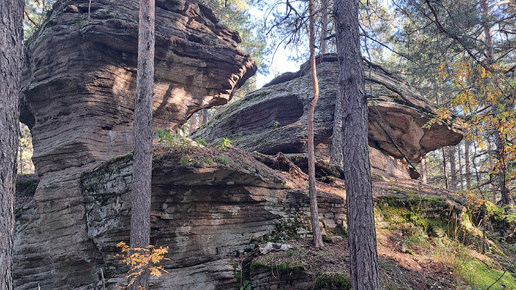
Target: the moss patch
pixel 332 281
pixel 26 185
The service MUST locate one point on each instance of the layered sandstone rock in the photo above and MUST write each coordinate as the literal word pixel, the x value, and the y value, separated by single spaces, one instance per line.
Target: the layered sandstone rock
pixel 208 207
pixel 79 88
pixel 273 119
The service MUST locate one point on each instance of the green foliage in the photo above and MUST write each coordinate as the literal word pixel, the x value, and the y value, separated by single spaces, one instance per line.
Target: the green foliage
pixel 175 141
pixel 222 160
pixel 285 267
pixel 276 124
pixel 25 151
pixel 185 161
pixel 286 230
pixel 332 281
pixel 339 230
pixel 200 141
pixel 36 12
pixel 224 144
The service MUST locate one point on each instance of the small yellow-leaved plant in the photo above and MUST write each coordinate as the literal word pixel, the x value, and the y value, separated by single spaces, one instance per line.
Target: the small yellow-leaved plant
pixel 141 260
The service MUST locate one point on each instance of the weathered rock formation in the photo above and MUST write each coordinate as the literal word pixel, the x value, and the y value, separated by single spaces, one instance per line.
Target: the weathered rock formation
pixel 79 86
pixel 273 119
pixel 208 206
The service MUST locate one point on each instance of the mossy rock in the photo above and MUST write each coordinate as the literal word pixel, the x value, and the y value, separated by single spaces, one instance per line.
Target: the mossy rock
pixel 26 185
pixel 332 281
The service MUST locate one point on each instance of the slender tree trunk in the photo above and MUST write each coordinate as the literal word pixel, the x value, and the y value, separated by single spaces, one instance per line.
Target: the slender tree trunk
pixel 11 51
pixel 336 141
pixel 424 177
pixel 314 213
pixel 324 27
pixel 357 170
pixel 460 176
pixel 445 172
pixel 467 144
pixel 453 168
pixel 142 166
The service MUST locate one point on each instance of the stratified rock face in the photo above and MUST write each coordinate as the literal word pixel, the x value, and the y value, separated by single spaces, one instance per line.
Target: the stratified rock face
pixel 79 86
pixel 273 119
pixel 205 212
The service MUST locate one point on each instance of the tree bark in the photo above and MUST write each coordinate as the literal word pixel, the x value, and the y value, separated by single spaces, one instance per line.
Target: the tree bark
pixel 324 27
pixel 314 213
pixel 336 141
pixel 142 166
pixel 11 51
pixel 445 172
pixel 453 168
pixel 357 171
pixel 466 164
pixel 460 176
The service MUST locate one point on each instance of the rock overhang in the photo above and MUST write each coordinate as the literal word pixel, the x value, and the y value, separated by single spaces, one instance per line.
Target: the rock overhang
pixel 398 116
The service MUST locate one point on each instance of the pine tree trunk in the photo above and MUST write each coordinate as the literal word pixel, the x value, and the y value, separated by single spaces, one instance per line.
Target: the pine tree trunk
pixel 11 50
pixel 467 164
pixel 324 27
pixel 357 171
pixel 336 141
pixel 142 165
pixel 445 171
pixel 314 213
pixel 460 176
pixel 453 168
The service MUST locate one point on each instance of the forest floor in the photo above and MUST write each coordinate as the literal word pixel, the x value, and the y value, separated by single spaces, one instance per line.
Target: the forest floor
pixel 409 258
pixel 411 255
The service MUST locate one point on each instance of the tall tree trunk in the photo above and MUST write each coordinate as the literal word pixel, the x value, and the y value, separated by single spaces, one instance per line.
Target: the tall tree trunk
pixel 445 172
pixel 142 166
pixel 460 176
pixel 11 51
pixel 314 213
pixel 324 27
pixel 500 148
pixel 336 141
pixel 453 168
pixel 467 171
pixel 424 176
pixel 357 171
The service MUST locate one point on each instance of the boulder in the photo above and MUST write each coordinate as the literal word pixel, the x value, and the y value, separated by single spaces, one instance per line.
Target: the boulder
pixel 79 88
pixel 273 119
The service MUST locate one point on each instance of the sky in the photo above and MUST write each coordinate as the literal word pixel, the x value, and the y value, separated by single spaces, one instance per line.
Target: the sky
pixel 280 64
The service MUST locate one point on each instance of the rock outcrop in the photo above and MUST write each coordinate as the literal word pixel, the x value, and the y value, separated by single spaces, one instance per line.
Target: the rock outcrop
pixel 273 119
pixel 79 88
pixel 208 206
